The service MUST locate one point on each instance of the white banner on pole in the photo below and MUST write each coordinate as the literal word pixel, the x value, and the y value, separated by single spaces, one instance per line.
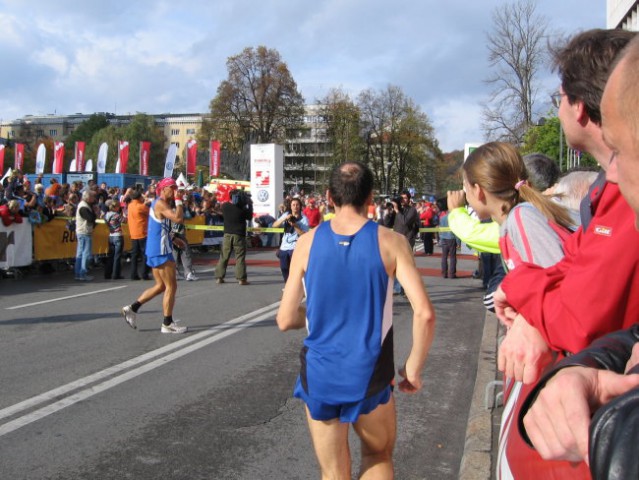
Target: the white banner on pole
pixel 88 167
pixel 170 161
pixel 41 158
pixel 102 157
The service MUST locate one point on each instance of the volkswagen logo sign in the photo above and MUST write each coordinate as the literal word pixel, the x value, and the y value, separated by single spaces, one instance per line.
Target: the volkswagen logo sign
pixel 169 165
pixel 262 195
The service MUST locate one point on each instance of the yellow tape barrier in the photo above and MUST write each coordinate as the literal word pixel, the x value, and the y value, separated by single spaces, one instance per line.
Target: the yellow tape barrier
pixel 52 240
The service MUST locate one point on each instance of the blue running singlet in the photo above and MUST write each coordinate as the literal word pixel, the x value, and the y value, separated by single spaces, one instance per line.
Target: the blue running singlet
pixel 348 354
pixel 158 242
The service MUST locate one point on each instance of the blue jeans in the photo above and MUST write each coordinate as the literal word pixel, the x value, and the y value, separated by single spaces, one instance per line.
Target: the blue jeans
pixel 113 265
pixel 82 255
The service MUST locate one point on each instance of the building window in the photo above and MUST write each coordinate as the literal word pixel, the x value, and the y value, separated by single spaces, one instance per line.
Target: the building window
pixel 190 131
pixel 175 131
pixel 53 133
pixel 39 133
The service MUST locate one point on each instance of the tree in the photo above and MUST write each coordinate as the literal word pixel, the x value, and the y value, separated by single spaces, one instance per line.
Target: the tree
pixel 143 128
pixel 84 133
pixel 400 143
pixel 257 103
pixel 110 135
pixel 342 118
pixel 545 138
pixel 516 53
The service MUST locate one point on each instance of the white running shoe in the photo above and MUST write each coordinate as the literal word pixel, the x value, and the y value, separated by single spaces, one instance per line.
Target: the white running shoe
pixel 191 277
pixel 129 316
pixel 173 328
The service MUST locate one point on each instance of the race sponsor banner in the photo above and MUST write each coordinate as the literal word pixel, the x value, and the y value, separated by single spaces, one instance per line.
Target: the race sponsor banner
pixel 1 159
pixel 214 159
pixel 41 159
pixel 16 245
pixel 191 157
pixel 145 151
pixel 169 164
pixel 79 156
pixel 102 157
pixel 267 178
pixel 18 156
pixel 54 241
pixel 89 165
pixel 58 157
pixel 123 155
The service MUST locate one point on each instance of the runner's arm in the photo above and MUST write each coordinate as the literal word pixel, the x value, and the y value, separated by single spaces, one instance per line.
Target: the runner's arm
pixel 292 314
pixel 423 316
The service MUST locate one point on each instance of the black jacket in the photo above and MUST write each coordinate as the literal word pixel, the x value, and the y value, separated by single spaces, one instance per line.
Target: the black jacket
pixel 235 217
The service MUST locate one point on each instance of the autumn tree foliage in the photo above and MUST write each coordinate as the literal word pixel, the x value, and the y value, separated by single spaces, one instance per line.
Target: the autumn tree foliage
pixel 257 103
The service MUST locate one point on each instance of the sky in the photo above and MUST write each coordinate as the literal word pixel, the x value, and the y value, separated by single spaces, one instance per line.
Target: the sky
pixel 156 56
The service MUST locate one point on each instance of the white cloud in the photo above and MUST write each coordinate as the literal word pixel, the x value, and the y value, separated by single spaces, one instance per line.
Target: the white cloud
pixel 457 121
pixel 150 55
pixel 53 59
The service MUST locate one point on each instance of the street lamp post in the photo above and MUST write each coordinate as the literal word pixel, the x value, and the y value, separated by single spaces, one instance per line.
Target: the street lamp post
pixel 388 170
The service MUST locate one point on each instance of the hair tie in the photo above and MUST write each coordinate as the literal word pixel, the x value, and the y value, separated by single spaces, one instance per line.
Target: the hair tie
pixel 519 184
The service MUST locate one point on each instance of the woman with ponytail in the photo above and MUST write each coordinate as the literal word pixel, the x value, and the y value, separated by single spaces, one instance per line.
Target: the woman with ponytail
pixel 532 227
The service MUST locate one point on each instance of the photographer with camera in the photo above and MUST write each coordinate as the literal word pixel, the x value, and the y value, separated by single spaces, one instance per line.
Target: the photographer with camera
pixel 295 224
pixel 236 213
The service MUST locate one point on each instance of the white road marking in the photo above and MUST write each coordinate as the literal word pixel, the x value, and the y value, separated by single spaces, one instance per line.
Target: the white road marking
pixel 59 299
pixel 196 342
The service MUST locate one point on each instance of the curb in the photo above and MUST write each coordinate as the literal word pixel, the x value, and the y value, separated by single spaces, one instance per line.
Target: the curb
pixel 476 462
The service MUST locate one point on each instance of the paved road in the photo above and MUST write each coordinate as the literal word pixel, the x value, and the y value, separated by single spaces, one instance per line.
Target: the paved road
pixel 84 396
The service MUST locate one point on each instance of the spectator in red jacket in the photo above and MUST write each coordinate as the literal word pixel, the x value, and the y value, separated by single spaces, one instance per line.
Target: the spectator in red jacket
pixel 312 213
pixel 10 213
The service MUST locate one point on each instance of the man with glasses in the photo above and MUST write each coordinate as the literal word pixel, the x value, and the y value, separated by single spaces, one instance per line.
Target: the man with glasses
pixel 593 290
pixel 159 253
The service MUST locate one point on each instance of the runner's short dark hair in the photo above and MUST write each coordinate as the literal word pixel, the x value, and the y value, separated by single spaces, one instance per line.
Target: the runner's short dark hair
pixel 351 183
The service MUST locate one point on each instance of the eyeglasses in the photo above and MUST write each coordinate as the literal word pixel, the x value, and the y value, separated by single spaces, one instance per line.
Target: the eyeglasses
pixel 555 98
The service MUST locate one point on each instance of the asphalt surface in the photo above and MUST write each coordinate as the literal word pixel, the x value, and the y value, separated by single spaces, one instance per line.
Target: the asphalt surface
pixel 85 397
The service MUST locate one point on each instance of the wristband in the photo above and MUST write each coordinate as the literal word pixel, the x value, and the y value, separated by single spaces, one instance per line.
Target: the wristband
pixel 178 203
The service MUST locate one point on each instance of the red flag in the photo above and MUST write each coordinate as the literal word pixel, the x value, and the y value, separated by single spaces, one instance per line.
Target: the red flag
pixel 145 151
pixel 191 157
pixel 58 157
pixel 214 159
pixel 123 155
pixel 79 156
pixel 19 156
pixel 1 159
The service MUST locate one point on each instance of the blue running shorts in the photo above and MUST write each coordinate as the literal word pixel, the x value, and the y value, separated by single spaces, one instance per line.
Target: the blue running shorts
pixel 346 412
pixel 160 260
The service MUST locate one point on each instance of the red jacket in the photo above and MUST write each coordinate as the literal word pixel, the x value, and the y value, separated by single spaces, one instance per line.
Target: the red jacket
pixel 7 217
pixel 593 290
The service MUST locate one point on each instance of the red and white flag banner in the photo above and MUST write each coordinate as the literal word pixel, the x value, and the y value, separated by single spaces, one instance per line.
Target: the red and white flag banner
pixel 1 159
pixel 79 156
pixel 214 159
pixel 191 157
pixel 19 156
pixel 145 151
pixel 123 155
pixel 58 157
